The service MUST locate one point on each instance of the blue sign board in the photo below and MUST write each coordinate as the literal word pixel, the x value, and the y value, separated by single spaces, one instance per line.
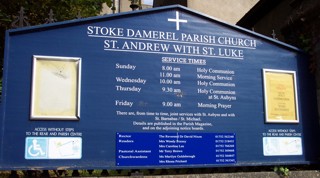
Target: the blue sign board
pixel 159 88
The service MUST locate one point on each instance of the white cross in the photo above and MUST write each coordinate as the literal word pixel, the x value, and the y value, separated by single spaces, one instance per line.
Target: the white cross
pixel 177 20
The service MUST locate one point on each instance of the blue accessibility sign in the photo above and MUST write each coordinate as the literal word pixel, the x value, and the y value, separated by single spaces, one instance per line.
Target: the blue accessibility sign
pixel 36 148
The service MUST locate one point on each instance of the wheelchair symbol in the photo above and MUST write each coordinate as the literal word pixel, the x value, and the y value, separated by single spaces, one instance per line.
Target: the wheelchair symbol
pixel 35 149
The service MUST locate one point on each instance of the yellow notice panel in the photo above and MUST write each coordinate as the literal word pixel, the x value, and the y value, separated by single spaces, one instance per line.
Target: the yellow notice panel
pixel 280 96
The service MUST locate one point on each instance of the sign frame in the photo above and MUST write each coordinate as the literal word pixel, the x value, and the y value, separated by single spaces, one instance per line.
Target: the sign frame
pixel 59 70
pixel 152 82
pixel 294 96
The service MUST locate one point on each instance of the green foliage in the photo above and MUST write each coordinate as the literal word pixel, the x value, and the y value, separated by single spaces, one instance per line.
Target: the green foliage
pixel 4 19
pixel 305 42
pixel 37 12
pixel 281 171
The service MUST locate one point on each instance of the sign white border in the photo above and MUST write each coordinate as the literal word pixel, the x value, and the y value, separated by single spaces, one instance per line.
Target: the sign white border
pixel 282 146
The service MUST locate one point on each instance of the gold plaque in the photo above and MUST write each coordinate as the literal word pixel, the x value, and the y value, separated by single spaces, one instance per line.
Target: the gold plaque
pixel 281 104
pixel 55 88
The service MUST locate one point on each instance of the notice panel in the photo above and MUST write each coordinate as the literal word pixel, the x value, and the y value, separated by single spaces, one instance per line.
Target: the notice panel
pixel 55 88
pixel 152 149
pixel 280 96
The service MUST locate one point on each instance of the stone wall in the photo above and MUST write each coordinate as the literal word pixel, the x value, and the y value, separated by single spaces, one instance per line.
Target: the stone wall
pixel 229 11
